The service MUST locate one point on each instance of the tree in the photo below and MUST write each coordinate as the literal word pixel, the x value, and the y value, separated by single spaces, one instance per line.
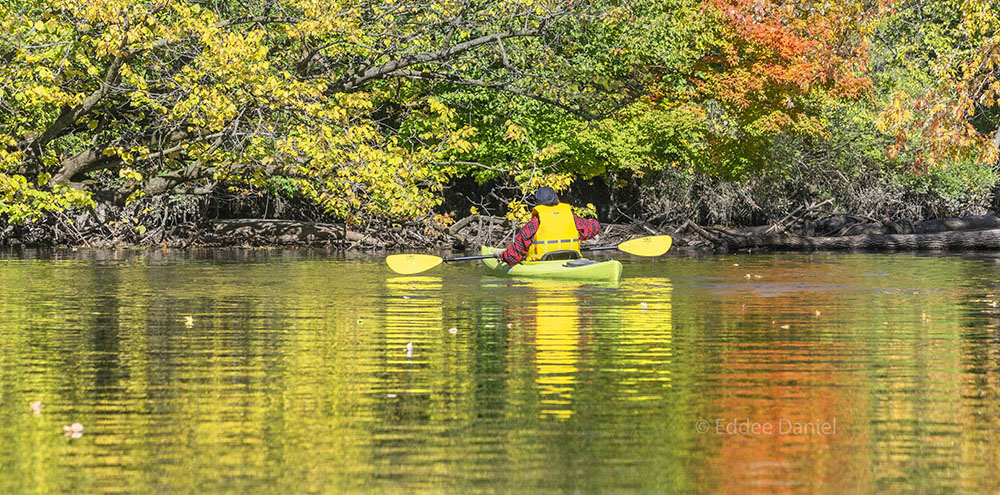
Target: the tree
pixel 719 81
pixel 132 98
pixel 949 113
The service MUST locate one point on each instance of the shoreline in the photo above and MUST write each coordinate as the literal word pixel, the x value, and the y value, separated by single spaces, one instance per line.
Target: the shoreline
pixel 793 233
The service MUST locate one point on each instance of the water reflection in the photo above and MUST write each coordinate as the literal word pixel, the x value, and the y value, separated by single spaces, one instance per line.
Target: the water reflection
pixel 413 316
pixel 571 330
pixel 644 343
pixel 557 342
pixel 282 374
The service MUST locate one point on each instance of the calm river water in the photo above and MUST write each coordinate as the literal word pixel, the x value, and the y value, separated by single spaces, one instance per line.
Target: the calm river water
pixel 302 372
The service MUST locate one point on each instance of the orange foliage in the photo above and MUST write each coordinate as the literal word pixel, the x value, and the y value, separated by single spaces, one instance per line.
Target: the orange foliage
pixel 778 50
pixel 942 115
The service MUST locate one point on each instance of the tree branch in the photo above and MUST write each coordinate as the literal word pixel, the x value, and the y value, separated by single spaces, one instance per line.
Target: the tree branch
pixel 94 158
pixel 194 171
pixel 71 115
pixel 464 81
pixel 474 164
pixel 164 183
pixel 262 19
pixel 82 162
pixel 359 78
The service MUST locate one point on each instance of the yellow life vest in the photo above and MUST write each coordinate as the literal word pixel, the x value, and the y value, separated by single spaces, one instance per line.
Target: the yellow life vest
pixel 556 231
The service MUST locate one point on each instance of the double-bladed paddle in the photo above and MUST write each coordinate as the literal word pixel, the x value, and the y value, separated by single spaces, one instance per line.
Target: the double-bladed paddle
pixel 408 264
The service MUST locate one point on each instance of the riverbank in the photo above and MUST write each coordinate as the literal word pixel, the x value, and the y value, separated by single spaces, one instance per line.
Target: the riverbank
pixel 261 232
pixel 805 229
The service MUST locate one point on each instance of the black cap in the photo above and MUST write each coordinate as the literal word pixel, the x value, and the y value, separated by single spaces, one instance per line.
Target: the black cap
pixel 546 196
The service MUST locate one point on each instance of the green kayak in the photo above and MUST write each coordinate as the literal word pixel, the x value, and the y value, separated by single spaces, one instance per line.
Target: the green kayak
pixel 583 269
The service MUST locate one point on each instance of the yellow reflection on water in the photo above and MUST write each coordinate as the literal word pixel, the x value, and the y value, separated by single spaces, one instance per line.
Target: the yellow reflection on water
pixel 413 318
pixel 640 330
pixel 645 339
pixel 557 337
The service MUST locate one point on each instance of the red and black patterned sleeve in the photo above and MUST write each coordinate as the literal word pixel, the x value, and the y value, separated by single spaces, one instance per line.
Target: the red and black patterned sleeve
pixel 587 227
pixel 522 239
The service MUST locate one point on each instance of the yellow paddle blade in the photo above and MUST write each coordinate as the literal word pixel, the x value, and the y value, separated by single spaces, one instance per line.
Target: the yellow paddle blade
pixel 647 246
pixel 407 264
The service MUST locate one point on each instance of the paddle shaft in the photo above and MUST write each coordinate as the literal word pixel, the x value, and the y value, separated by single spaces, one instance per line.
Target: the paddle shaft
pixel 467 258
pixel 408 264
pixel 487 256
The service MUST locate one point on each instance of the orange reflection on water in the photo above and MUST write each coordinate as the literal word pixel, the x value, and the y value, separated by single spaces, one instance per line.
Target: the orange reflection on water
pixel 781 410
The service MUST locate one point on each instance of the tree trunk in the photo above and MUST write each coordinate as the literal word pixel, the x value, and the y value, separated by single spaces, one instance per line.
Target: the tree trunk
pixel 954 240
pixel 264 231
pixel 930 226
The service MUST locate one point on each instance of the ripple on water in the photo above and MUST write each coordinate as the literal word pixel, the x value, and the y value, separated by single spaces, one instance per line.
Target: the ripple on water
pixel 282 372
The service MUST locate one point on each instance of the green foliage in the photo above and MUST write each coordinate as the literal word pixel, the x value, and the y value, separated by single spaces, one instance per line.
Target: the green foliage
pixel 940 77
pixel 950 191
pixel 22 201
pixel 530 143
pixel 371 110
pixel 324 94
pixel 715 97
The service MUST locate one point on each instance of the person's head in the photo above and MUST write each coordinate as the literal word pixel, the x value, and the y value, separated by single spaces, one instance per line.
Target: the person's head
pixel 546 196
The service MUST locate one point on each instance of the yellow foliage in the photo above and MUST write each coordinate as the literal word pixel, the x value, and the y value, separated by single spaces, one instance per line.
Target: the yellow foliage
pixel 937 123
pixel 588 211
pixel 443 220
pixel 130 175
pixel 514 132
pixel 896 114
pixel 184 70
pixel 518 211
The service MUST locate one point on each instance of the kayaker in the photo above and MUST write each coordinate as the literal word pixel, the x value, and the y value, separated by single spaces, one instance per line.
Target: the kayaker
pixel 553 227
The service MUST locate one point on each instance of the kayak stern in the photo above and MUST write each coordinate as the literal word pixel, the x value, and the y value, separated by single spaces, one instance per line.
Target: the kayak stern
pixel 594 271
